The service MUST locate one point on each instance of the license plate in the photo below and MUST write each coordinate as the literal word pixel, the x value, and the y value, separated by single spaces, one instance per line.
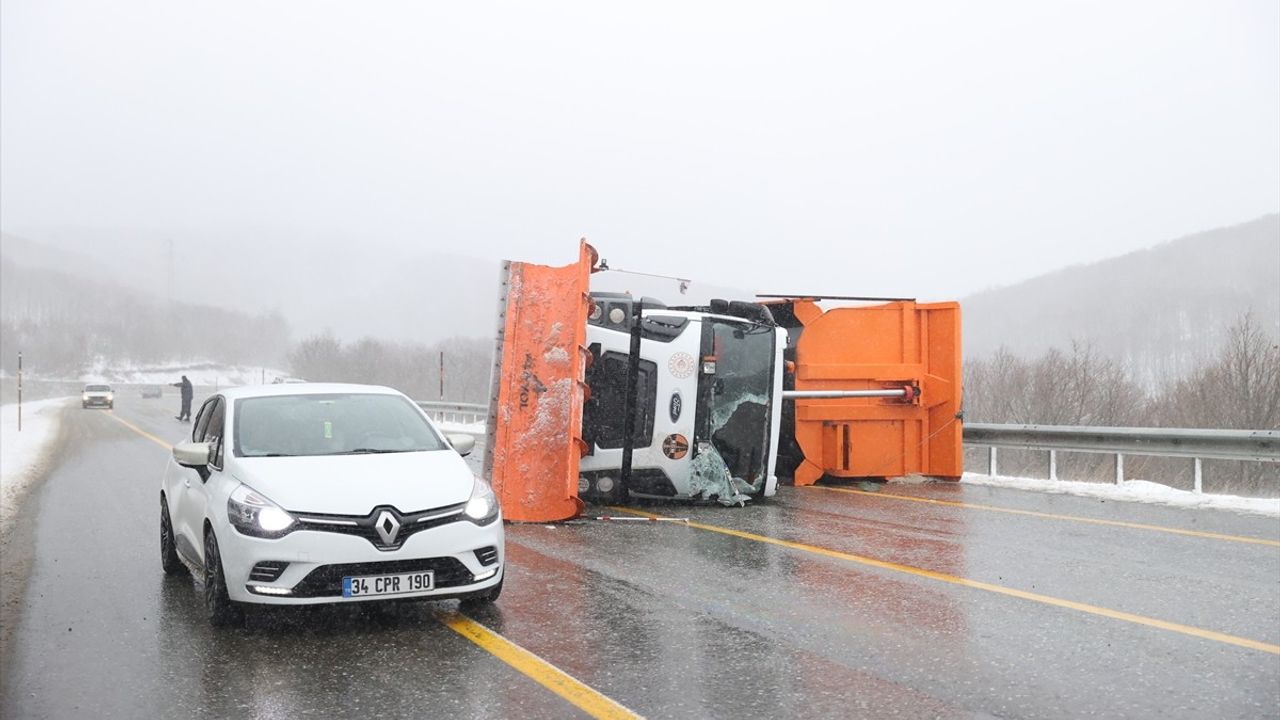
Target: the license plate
pixel 382 585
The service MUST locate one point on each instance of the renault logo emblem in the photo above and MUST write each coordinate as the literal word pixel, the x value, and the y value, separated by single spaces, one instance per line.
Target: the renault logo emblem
pixel 388 527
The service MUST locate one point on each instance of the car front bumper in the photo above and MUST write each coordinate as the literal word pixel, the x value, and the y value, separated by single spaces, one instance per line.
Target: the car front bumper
pixel 318 560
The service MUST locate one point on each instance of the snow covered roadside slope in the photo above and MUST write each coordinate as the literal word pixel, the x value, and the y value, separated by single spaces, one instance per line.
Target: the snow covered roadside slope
pixel 1135 491
pixel 23 455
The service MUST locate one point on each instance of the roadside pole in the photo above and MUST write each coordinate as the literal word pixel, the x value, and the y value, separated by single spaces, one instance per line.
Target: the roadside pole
pixel 19 391
pixel 442 375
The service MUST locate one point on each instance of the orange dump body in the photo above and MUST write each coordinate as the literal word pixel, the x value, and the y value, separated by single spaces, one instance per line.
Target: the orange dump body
pixel 892 345
pixel 535 408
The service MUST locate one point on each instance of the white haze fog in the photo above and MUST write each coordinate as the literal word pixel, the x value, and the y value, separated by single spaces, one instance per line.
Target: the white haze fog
pixel 361 168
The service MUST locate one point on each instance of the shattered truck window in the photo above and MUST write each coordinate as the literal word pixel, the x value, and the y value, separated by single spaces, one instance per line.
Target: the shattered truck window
pixel 738 399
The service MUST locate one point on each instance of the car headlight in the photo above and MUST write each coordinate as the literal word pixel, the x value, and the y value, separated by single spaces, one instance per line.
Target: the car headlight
pixel 84 397
pixel 253 514
pixel 482 508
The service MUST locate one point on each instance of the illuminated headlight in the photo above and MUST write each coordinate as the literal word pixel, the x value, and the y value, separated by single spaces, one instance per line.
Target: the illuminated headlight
pixel 84 397
pixel 604 484
pixel 256 516
pixel 482 508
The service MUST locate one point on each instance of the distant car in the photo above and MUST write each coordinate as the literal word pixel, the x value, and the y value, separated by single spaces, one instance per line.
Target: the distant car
pixel 97 396
pixel 326 493
pixel 152 391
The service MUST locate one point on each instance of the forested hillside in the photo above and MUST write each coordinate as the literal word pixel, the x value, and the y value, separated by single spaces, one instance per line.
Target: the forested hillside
pixel 63 323
pixel 1160 313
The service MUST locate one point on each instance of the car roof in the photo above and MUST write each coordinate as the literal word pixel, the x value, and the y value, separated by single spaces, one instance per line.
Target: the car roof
pixel 252 391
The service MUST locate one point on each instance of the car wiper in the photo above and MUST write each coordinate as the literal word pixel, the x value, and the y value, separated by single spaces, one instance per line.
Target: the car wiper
pixel 365 451
pixel 271 455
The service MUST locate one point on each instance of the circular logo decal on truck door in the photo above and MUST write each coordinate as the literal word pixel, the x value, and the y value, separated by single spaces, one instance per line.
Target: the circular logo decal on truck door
pixel 681 365
pixel 675 446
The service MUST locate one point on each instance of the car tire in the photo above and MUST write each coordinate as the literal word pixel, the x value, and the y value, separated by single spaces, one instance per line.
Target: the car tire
pixel 219 608
pixel 84 406
pixel 485 597
pixel 168 550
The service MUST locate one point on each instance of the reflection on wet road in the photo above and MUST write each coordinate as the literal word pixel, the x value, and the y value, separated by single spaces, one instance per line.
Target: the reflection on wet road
pixel 666 620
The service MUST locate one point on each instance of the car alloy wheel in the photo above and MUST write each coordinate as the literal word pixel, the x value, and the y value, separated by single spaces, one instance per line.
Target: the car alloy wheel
pixel 218 606
pixel 168 552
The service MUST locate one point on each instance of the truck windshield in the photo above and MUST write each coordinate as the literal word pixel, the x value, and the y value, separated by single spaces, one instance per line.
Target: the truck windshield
pixel 738 404
pixel 337 424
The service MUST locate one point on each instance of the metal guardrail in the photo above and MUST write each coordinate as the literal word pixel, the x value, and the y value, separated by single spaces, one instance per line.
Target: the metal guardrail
pixel 465 413
pixel 1247 445
pixel 1199 445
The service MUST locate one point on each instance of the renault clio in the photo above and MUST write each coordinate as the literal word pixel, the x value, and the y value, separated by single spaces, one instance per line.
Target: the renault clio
pixel 326 493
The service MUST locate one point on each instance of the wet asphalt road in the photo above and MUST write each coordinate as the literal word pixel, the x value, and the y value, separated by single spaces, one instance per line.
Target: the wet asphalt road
pixel 668 620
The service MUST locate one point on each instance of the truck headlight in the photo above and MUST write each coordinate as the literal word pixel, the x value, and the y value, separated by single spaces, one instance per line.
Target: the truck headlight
pixel 254 515
pixel 482 508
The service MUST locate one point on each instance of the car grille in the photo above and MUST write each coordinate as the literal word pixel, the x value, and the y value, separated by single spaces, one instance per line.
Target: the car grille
pixel 326 580
pixel 365 526
pixel 268 571
pixel 487 555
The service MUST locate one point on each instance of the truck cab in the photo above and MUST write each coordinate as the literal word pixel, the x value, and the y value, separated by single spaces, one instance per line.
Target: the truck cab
pixel 708 405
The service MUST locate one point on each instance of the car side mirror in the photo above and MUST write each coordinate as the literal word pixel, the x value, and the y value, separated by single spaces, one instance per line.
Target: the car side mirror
pixel 462 443
pixel 194 455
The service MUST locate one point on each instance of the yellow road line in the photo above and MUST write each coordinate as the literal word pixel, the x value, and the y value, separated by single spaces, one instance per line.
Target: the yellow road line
pixel 989 587
pixel 549 676
pixel 1053 516
pixel 140 431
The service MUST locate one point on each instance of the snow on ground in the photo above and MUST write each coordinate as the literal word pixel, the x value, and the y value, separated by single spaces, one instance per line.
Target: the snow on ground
pixel 200 373
pixel 23 454
pixel 1135 491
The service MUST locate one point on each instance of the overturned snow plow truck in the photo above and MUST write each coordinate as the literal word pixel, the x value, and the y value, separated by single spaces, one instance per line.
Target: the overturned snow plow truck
pixel 606 396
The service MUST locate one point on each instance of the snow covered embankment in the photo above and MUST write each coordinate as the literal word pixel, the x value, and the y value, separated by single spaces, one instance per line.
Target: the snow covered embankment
pixel 1135 491
pixel 25 455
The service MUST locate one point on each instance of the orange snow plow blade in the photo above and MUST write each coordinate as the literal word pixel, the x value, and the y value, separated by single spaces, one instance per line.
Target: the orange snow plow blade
pixel 894 345
pixel 535 407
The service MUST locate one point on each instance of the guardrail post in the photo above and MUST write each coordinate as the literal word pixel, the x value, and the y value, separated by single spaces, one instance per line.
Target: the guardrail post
pixel 1119 469
pixel 991 461
pixel 1053 464
pixel 1199 475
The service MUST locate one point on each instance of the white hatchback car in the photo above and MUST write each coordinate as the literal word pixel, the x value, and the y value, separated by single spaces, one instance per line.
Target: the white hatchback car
pixel 324 493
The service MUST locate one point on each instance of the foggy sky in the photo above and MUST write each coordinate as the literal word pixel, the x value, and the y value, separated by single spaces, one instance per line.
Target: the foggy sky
pixel 929 150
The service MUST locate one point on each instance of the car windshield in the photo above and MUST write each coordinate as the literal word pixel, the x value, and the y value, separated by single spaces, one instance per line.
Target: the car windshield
pixel 97 388
pixel 331 424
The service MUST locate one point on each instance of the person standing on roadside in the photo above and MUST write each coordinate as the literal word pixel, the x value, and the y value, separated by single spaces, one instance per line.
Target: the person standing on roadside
pixel 185 388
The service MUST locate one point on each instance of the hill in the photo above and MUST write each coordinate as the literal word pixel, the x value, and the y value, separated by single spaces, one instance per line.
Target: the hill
pixel 64 323
pixel 1162 311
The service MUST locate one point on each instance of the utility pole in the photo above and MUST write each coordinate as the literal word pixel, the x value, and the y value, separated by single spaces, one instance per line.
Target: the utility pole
pixel 442 375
